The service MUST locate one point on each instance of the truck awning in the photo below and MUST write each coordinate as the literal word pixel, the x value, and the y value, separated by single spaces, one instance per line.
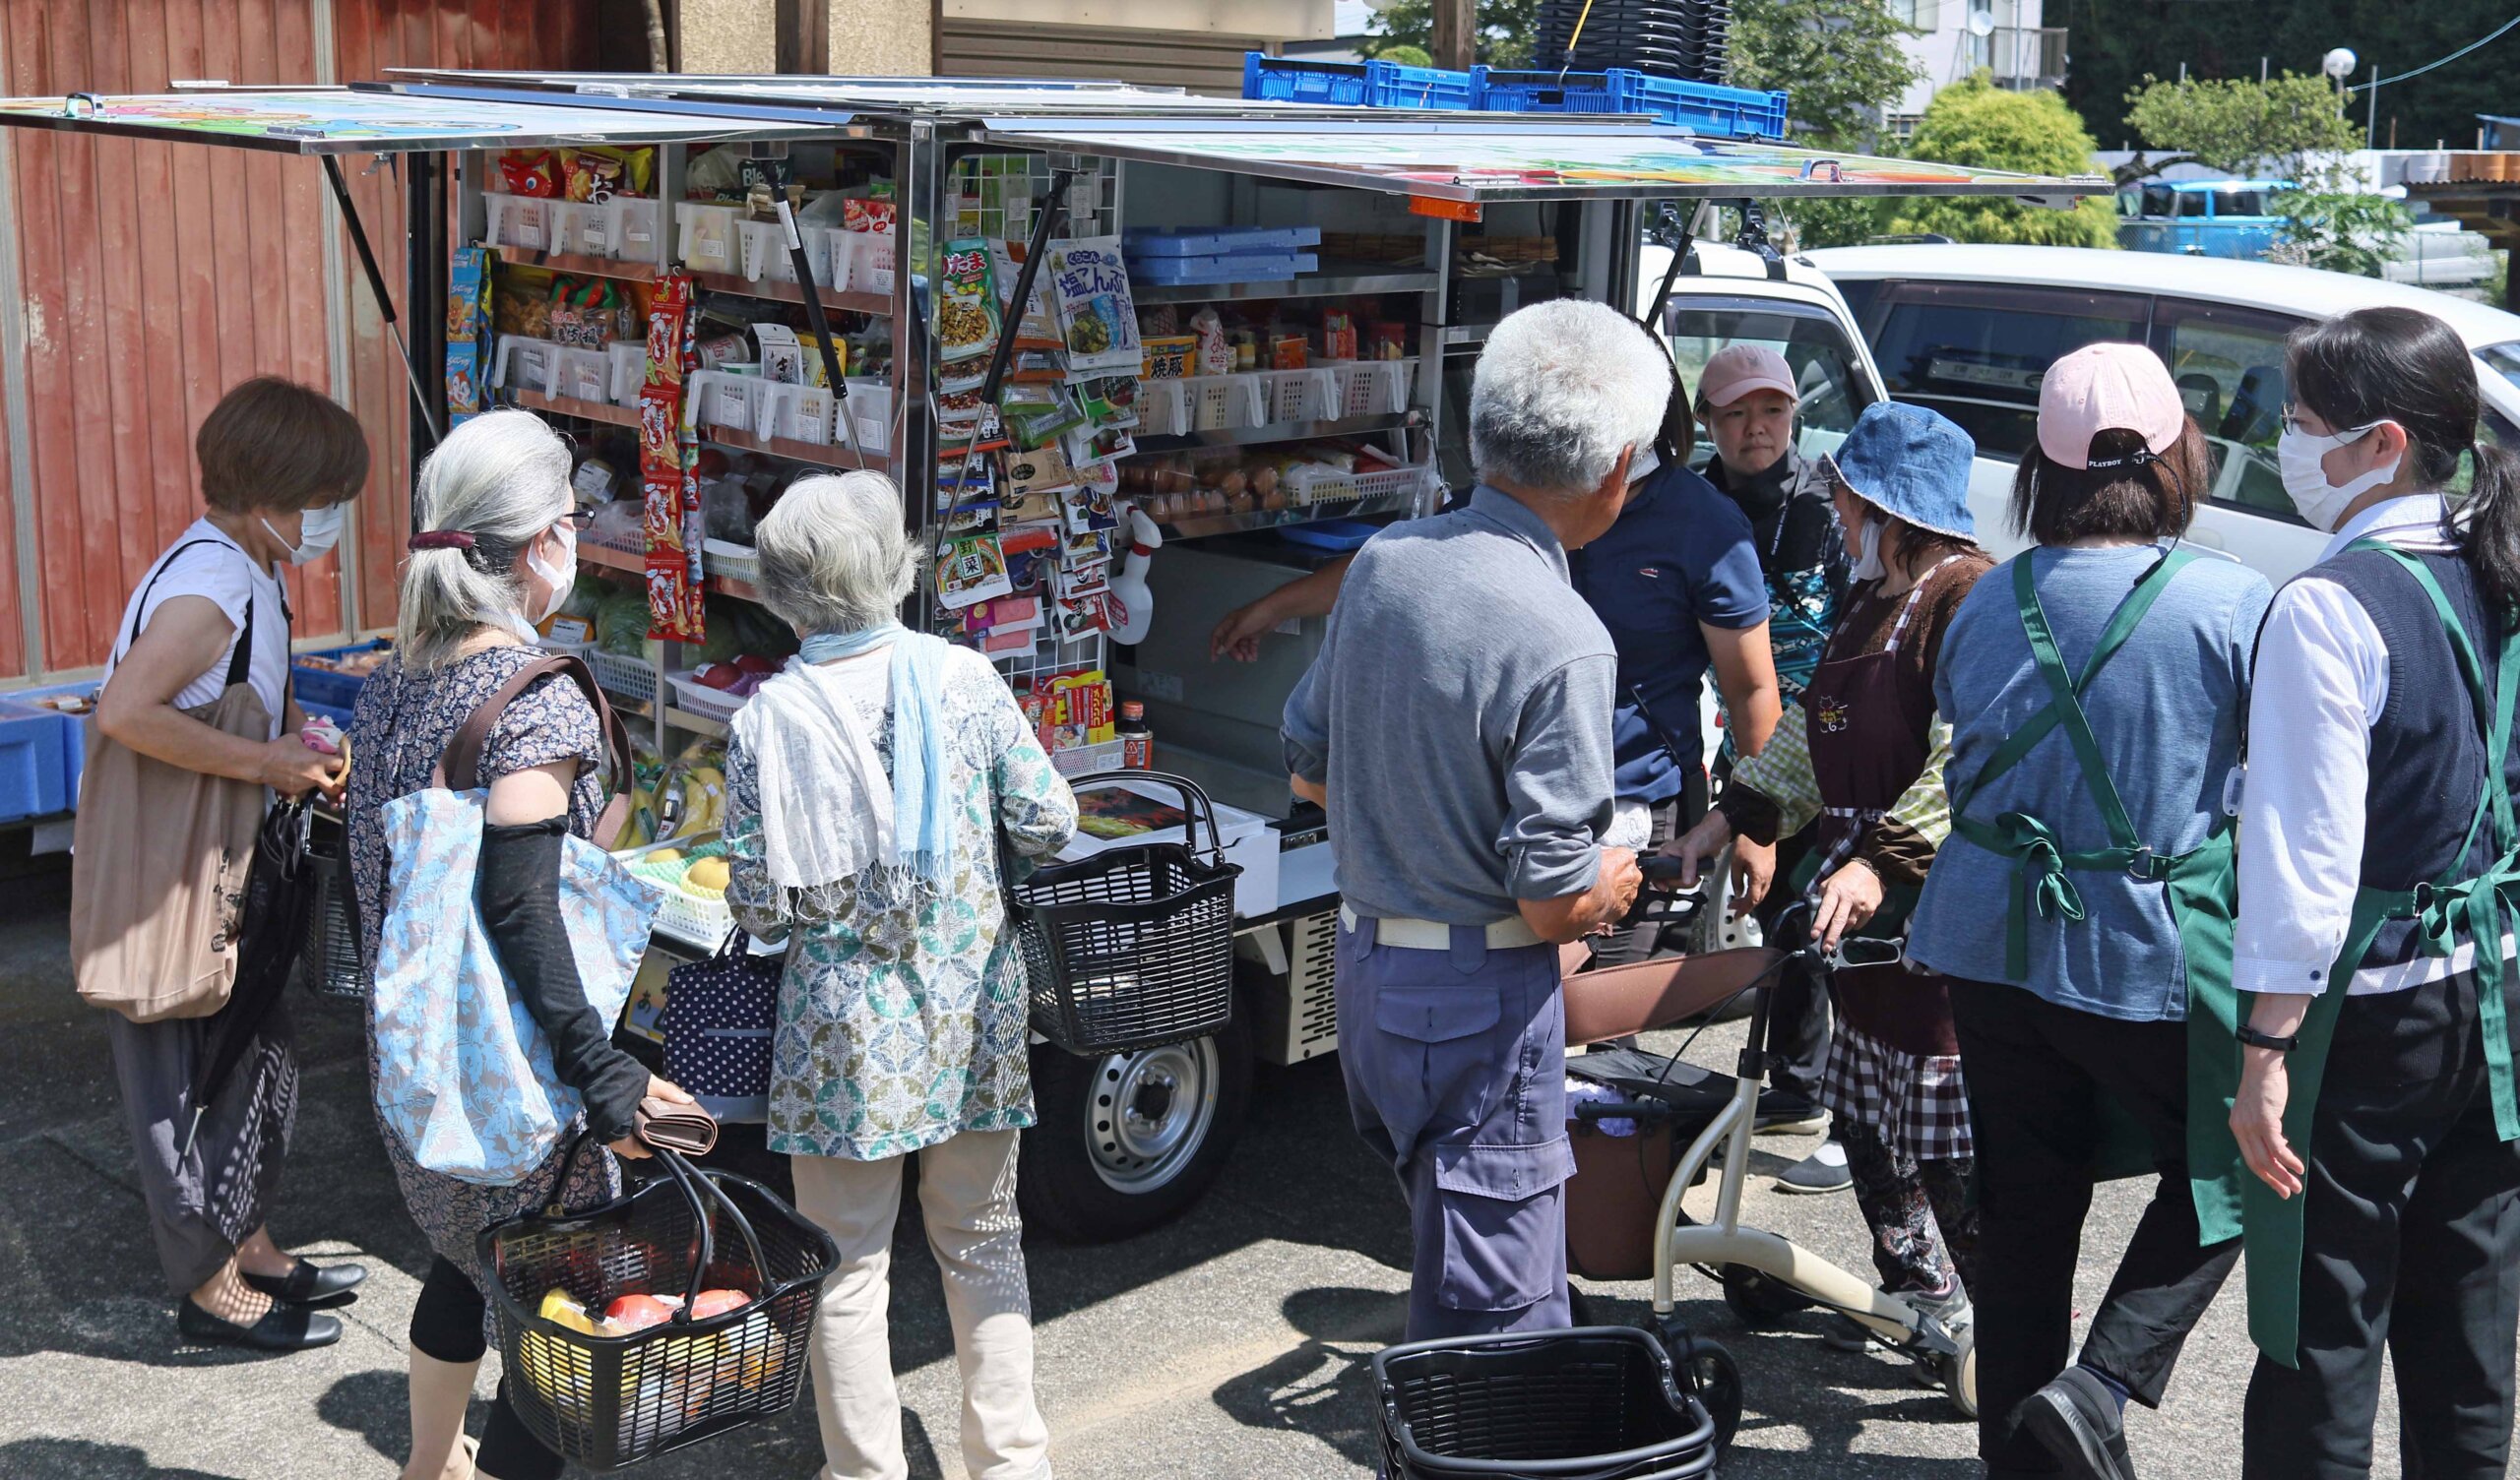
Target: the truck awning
pixel 1492 157
pixel 356 120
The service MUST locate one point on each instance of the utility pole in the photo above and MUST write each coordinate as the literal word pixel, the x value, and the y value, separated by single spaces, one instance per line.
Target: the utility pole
pixel 2371 116
pixel 1456 30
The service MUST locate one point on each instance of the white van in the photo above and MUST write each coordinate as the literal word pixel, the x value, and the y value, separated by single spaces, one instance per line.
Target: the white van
pixel 1968 330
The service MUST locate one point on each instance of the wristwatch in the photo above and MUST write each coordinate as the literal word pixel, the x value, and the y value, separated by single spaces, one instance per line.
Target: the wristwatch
pixel 2256 1039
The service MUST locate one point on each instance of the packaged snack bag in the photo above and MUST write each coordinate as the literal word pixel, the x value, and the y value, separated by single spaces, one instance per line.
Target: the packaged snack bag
pixel 1287 351
pixel 966 303
pixel 530 172
pixel 1098 318
pixel 872 210
pixel 1038 327
pixel 1168 358
pixel 1216 352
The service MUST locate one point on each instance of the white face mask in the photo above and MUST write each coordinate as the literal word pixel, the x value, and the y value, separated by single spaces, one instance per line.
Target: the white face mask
pixel 1867 564
pixel 318 530
pixel 2297 457
pixel 560 577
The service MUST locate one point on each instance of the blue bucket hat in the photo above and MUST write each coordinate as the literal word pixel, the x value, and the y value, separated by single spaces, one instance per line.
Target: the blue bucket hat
pixel 1910 462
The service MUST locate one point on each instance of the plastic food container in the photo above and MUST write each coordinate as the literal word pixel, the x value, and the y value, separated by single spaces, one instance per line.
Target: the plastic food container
pixel 711 239
pixel 518 221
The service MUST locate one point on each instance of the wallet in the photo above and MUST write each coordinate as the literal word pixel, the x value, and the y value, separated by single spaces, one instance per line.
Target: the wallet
pixel 686 1129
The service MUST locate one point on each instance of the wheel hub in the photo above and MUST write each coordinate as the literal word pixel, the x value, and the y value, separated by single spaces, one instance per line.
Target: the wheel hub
pixel 1150 1112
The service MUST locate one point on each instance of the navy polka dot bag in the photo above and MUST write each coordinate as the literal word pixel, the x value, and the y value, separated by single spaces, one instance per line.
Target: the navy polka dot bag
pixel 718 1017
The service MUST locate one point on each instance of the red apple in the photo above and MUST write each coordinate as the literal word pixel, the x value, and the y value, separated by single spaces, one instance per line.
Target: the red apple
pixel 718 676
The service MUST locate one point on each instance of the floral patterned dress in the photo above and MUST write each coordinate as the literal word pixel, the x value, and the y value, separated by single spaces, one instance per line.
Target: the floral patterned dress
pixel 902 1019
pixel 398 731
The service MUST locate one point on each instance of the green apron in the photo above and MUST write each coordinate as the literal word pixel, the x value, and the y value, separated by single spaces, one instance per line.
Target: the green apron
pixel 2199 884
pixel 2233 1199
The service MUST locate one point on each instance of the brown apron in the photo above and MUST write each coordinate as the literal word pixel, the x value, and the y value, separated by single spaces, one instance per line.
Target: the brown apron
pixel 158 858
pixel 1870 742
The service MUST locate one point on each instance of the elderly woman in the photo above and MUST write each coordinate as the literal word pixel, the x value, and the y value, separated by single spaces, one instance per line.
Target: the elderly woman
pixel 494 553
pixel 873 783
pixel 198 688
pixel 1862 755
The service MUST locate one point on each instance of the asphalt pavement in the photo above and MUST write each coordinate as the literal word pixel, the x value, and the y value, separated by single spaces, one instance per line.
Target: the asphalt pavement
pixel 1232 1344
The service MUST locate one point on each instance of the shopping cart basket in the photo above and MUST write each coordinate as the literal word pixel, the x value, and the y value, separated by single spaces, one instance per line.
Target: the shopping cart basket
pixel 607 1401
pixel 1132 947
pixel 1598 1403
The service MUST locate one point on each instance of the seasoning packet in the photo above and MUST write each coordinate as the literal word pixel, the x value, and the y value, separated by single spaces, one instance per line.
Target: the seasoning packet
pixel 1103 445
pixel 1088 510
pixel 782 357
pixel 967 302
pixel 1038 327
pixel 1037 415
pixel 1085 547
pixel 1089 288
pixel 1109 400
pixel 971 570
pixel 1039 474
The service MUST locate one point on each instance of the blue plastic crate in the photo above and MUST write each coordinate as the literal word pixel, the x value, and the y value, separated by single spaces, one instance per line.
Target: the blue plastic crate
pixel 1503 91
pixel 323 685
pixel 74 738
pixel 1389 85
pixel 338 714
pixel 1274 79
pixel 1216 241
pixel 1720 112
pixel 34 774
pixel 1357 85
pixel 1237 267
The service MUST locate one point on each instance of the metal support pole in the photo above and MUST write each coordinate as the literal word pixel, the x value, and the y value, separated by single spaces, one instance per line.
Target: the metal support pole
pixel 376 286
pixel 424 272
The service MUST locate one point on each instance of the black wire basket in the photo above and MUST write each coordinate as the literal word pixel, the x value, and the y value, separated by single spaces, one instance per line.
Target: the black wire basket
pixel 605 1401
pixel 1599 1402
pixel 1132 947
pixel 330 964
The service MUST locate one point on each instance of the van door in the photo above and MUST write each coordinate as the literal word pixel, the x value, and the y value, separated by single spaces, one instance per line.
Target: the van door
pixel 1976 353
pixel 2228 364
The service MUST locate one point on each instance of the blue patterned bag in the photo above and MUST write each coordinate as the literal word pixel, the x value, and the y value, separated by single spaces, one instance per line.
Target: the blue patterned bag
pixel 464 1072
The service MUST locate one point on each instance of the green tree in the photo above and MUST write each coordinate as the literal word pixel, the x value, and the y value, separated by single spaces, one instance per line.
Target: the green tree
pixel 1840 59
pixel 1840 63
pixel 1976 123
pixel 2239 126
pixel 2116 42
pixel 1505 31
pixel 2341 230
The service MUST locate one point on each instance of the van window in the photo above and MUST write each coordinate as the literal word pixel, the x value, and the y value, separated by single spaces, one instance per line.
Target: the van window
pixel 1813 343
pixel 2159 199
pixel 2251 201
pixel 2194 203
pixel 1976 352
pixel 2228 363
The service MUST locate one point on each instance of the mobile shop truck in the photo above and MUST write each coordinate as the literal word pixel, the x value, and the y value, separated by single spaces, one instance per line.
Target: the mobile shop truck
pixel 1292 298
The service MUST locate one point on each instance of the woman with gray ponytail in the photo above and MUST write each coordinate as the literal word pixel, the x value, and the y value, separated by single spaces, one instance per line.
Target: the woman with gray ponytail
pixel 495 553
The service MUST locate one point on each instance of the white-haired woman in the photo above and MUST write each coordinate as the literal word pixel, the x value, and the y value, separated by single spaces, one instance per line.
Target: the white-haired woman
pixel 496 552
pixel 871 782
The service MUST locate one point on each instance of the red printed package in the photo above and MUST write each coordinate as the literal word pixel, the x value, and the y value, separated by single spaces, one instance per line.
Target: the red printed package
pixel 670 495
pixel 533 172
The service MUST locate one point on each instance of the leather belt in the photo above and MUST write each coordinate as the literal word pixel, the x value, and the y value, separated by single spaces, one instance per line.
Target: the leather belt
pixel 1436 935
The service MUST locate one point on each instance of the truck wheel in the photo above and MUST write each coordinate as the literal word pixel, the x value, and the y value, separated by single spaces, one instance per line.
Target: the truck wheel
pixel 1124 1142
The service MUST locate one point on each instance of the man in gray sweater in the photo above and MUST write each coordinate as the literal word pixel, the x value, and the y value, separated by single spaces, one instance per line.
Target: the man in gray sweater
pixel 1457 728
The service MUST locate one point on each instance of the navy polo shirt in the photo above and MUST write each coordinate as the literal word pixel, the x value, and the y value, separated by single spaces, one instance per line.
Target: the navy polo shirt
pixel 1681 554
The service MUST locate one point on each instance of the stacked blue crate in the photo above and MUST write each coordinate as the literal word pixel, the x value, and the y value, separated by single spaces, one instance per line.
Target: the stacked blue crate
pixel 1716 113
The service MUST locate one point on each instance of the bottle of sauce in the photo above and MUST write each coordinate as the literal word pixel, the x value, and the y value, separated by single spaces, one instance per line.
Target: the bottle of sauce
pixel 1137 741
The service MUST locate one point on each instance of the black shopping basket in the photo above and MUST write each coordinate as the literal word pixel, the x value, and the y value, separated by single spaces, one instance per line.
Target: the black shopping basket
pixel 1599 1402
pixel 330 964
pixel 1132 947
pixel 610 1401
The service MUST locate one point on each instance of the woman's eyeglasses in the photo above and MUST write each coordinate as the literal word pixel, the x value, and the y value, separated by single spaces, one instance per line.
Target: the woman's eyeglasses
pixel 580 519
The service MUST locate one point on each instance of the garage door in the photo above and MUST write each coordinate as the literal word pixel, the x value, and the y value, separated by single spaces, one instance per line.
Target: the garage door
pixel 1195 61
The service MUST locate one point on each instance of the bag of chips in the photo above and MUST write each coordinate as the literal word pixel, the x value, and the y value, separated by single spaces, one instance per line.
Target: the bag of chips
pixel 530 172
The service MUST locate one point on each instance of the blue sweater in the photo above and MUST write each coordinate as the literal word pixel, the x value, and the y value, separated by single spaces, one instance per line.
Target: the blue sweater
pixel 2167 711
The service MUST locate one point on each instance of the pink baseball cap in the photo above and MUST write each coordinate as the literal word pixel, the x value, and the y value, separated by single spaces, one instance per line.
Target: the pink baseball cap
pixel 1736 370
pixel 2102 388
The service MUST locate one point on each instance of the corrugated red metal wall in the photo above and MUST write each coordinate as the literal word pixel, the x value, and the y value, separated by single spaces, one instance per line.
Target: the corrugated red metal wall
pixel 157 275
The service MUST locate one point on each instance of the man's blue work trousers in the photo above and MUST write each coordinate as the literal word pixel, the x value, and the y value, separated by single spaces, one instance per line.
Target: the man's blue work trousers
pixel 1456 1069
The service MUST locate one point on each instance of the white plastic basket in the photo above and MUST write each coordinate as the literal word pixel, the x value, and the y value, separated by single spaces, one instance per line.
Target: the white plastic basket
pixel 1316 483
pixel 628 359
pixel 585 227
pixel 691 694
pixel 1299 395
pixel 525 364
pixel 584 374
pixel 709 239
pixel 765 252
pixel 634 220
pixel 1086 760
pixel 684 913
pixel 870 416
pixel 517 221
pixel 870 262
pixel 1223 402
pixel 630 677
pixel 1164 408
pixel 1373 387
pixel 717 399
pixel 725 557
